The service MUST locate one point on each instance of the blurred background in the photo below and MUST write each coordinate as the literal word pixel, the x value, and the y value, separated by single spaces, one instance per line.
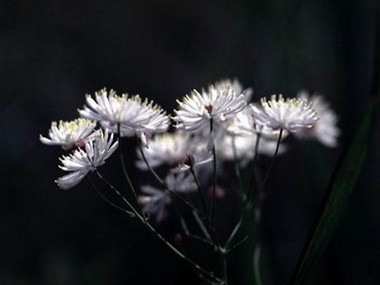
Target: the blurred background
pixel 54 52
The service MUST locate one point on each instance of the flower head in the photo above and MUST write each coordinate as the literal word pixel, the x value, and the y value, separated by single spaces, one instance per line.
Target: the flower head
pixel 132 114
pixel 236 85
pixel 166 148
pixel 69 134
pixel 82 161
pixel 325 130
pixel 290 114
pixel 196 110
pixel 177 149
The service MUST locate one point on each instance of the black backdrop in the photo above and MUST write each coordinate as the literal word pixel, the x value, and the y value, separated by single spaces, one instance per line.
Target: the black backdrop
pixel 53 52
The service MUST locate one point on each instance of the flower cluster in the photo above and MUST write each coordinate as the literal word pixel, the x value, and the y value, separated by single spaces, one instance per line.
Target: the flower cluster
pixel 216 124
pixel 124 115
pixel 216 135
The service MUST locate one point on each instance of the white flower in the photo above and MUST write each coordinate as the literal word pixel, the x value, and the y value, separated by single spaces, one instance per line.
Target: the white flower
pixel 82 161
pixel 243 124
pixel 167 148
pixel 69 134
pixel 156 201
pixel 279 113
pixel 325 130
pixel 196 110
pixel 236 85
pixel 136 117
pixel 176 149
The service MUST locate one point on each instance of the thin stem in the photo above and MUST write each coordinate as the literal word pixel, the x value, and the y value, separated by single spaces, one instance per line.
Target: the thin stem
pixel 223 258
pixel 203 200
pixel 254 162
pixel 236 164
pixel 142 219
pixel 234 231
pixel 256 264
pixel 214 175
pixel 257 146
pixel 201 226
pixel 203 240
pixel 238 172
pixel 158 178
pixel 257 251
pixel 261 189
pixel 192 236
pixel 180 254
pixel 122 161
pixel 183 223
pixel 135 212
pixel 208 230
pixel 131 214
pixel 243 240
pixel 171 191
pixel 258 195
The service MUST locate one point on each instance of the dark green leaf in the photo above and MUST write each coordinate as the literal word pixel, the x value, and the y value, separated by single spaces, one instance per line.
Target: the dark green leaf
pixel 336 199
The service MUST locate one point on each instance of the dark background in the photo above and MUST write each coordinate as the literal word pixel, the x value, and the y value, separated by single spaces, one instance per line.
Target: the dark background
pixel 54 52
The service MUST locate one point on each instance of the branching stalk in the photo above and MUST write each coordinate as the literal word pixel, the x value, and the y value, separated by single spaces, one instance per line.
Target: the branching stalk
pixel 162 182
pixel 258 196
pixel 146 223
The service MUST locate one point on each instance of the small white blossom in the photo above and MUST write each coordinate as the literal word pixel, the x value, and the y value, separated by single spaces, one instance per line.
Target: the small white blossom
pixel 243 124
pixel 135 117
pixel 290 114
pixel 69 134
pixel 237 86
pixel 196 110
pixel 176 149
pixel 82 161
pixel 156 201
pixel 167 148
pixel 325 130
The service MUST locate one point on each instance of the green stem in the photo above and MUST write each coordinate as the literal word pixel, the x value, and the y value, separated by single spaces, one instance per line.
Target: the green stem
pixel 122 161
pixel 224 266
pixel 203 200
pixel 238 172
pixel 135 212
pixel 253 165
pixel 108 200
pixel 258 195
pixel 202 226
pixel 261 189
pixel 142 219
pixel 214 175
pixel 256 264
pixel 171 191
